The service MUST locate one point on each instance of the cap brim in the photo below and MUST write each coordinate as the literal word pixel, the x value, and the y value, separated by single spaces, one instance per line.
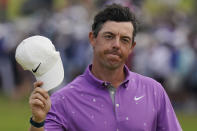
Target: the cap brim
pixel 53 77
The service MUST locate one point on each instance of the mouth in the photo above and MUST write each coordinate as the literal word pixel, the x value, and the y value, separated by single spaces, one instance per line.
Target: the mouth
pixel 114 56
pixel 113 53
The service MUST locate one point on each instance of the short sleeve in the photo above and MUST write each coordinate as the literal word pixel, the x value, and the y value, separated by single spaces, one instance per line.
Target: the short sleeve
pixel 167 120
pixel 55 120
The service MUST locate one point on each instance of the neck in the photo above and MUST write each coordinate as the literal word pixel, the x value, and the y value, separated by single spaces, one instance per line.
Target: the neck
pixel 115 77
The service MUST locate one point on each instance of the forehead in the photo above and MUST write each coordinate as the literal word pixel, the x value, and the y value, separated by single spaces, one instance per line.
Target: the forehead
pixel 122 28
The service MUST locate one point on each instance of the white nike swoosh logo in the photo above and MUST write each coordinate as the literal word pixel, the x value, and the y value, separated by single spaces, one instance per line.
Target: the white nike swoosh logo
pixel 138 98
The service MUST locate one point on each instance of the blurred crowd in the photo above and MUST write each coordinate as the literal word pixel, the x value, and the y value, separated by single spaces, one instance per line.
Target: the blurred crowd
pixel 166 47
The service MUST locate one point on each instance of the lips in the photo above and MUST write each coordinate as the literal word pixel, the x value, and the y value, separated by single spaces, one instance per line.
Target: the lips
pixel 116 53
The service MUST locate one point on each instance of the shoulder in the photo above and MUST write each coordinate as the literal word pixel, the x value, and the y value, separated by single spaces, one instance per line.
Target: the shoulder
pixel 79 80
pixel 148 83
pixel 138 78
pixel 70 88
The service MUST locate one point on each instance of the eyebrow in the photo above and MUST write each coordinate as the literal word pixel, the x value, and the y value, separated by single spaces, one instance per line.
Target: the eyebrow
pixel 108 33
pixel 124 36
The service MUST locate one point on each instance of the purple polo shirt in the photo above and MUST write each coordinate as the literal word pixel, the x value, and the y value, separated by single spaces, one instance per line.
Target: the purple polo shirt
pixel 140 104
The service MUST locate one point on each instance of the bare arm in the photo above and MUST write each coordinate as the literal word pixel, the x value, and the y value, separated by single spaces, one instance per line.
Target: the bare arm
pixel 40 105
pixel 32 128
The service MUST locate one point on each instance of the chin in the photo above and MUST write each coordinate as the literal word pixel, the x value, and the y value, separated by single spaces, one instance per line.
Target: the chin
pixel 113 66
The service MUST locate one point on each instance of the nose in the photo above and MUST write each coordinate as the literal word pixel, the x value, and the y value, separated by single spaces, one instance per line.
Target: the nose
pixel 116 43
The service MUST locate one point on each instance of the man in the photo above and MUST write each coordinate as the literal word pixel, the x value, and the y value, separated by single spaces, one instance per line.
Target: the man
pixel 107 97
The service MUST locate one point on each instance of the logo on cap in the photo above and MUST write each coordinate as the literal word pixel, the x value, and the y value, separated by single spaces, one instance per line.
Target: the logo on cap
pixel 34 70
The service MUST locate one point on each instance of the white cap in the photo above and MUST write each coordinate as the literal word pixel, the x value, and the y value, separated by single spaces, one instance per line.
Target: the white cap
pixel 38 55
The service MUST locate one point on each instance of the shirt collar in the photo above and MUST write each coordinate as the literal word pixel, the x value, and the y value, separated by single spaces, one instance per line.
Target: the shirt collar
pixel 103 84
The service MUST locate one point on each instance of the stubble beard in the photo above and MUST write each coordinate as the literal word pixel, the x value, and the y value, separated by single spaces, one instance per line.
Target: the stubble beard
pixel 110 65
pixel 105 62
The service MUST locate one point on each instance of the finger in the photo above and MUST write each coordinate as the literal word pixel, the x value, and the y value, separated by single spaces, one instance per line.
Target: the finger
pixel 38 84
pixel 40 97
pixel 36 102
pixel 41 91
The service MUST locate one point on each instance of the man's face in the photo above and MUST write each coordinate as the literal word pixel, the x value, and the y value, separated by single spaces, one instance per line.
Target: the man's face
pixel 113 44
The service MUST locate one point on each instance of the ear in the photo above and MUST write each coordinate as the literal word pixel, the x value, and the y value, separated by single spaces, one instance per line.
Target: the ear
pixel 91 38
pixel 132 46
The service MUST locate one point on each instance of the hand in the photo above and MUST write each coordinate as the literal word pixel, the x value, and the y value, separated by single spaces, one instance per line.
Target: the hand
pixel 39 102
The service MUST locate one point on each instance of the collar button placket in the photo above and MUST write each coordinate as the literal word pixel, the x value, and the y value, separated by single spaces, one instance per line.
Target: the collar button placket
pixel 117 105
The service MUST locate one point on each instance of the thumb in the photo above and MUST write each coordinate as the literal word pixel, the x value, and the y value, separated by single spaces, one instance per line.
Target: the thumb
pixel 38 84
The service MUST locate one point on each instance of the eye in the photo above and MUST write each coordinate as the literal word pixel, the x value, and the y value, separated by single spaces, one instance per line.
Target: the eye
pixel 125 40
pixel 108 37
